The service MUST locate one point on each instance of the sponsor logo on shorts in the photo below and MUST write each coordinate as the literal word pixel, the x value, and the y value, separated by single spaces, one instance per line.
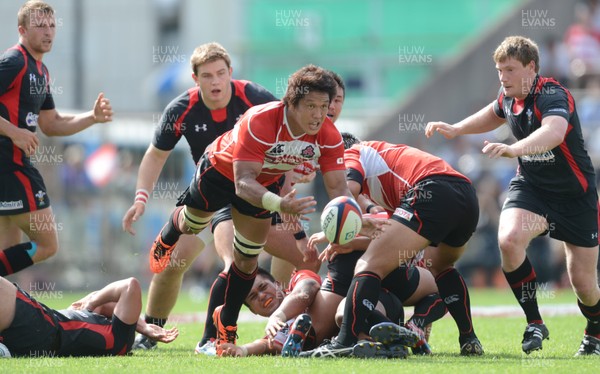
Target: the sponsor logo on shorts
pixel 404 214
pixel 11 205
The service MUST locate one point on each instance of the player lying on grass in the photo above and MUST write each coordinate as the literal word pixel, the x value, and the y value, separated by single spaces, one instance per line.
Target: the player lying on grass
pixel 103 323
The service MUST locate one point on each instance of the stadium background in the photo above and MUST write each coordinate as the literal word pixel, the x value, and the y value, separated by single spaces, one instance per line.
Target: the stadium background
pixel 404 62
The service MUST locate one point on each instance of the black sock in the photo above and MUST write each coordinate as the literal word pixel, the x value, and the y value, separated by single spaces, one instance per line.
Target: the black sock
pixel 156 321
pixel 428 310
pixel 455 294
pixel 376 317
pixel 394 310
pixel 170 232
pixel 523 283
pixel 216 298
pixel 592 314
pixel 15 258
pixel 238 287
pixel 360 302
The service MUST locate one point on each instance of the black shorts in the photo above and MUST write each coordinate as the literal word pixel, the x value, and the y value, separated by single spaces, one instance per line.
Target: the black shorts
pixel 442 209
pixel 211 191
pixel 84 333
pixel 34 331
pixel 224 214
pixel 402 282
pixel 574 221
pixel 22 191
pixel 340 272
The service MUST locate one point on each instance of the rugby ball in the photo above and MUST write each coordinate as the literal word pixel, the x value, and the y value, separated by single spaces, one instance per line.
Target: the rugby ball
pixel 4 352
pixel 341 220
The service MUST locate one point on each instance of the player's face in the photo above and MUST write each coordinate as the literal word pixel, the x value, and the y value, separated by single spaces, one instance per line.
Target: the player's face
pixel 335 108
pixel 515 78
pixel 38 34
pixel 308 115
pixel 214 80
pixel 264 297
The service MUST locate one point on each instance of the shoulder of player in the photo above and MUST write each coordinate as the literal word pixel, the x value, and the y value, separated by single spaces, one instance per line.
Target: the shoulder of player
pixel 550 88
pixel 252 92
pixel 182 101
pixel 13 56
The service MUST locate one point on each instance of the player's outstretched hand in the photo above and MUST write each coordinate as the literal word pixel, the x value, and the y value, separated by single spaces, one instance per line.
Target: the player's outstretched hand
pixel 231 350
pixel 373 227
pixel 497 150
pixel 309 254
pixel 317 238
pixel 102 109
pixel 333 250
pixel 446 129
pixel 132 215
pixel 274 324
pixel 160 334
pixel 300 207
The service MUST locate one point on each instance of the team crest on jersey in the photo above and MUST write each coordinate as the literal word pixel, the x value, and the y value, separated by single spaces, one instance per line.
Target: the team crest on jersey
pixel 40 196
pixel 529 114
pixel 308 152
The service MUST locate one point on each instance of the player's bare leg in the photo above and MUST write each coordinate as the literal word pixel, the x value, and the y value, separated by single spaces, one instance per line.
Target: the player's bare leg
pixel 165 286
pixel 514 234
pixel 40 228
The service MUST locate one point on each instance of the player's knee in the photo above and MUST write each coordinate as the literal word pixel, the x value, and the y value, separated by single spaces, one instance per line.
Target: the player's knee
pixel 194 223
pixel 245 246
pixel 133 286
pixel 44 252
pixel 585 288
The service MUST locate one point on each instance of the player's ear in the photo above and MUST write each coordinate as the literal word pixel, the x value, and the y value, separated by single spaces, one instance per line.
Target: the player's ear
pixel 195 78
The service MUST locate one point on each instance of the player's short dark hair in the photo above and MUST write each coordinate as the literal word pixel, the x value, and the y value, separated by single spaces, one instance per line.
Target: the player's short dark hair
pixel 209 52
pixel 310 78
pixel 339 81
pixel 520 48
pixel 349 139
pixel 38 6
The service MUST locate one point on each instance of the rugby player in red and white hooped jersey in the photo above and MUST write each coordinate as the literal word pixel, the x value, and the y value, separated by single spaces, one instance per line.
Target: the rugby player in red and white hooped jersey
pixel 243 168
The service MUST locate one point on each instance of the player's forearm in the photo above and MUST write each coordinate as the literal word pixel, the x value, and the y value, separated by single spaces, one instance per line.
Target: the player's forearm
pixel 150 168
pixel 481 122
pixel 110 293
pixel 547 137
pixel 251 191
pixel 299 299
pixel 67 124
pixel 6 128
pixel 257 348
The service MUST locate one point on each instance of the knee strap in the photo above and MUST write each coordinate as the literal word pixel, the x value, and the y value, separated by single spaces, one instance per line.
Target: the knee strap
pixel 246 247
pixel 194 223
